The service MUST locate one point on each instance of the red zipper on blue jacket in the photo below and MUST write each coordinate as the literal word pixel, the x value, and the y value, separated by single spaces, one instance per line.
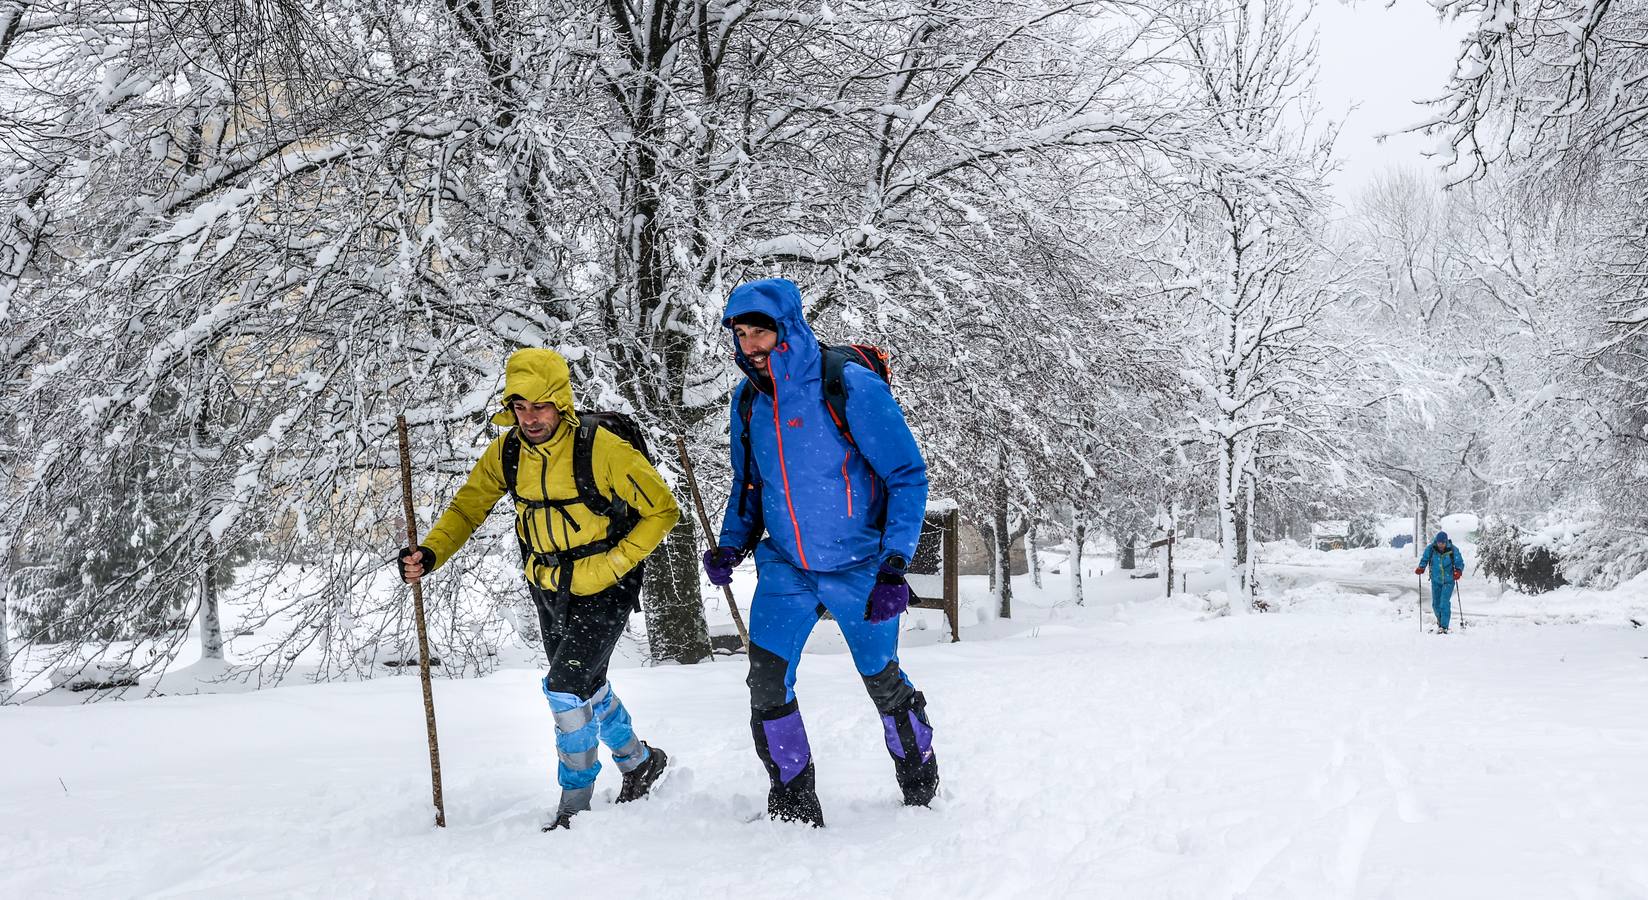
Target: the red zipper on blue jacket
pixel 848 480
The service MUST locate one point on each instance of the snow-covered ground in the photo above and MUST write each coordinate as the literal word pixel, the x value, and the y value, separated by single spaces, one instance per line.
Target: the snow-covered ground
pixel 1135 747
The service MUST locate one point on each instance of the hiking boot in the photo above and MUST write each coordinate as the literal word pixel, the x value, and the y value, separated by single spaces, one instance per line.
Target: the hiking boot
pixel 918 783
pixel 572 803
pixel 796 801
pixel 559 821
pixel 638 781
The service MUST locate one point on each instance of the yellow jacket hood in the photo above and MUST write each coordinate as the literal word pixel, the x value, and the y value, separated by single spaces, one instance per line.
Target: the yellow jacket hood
pixel 536 375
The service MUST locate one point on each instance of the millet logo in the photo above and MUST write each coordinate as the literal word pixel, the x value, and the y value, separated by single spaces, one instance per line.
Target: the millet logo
pixel 794 423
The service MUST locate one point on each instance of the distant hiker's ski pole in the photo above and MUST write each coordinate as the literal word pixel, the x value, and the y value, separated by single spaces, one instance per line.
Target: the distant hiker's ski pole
pixel 423 635
pixel 1419 586
pixel 704 522
pixel 1459 598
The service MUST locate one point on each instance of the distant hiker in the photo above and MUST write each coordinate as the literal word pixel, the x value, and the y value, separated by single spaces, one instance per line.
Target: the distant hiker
pixel 823 463
pixel 1447 566
pixel 589 508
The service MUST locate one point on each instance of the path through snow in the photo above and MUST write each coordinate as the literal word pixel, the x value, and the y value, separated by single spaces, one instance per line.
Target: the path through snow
pixel 1130 751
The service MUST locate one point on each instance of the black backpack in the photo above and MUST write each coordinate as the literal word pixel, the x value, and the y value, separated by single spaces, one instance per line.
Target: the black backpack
pixel 835 359
pixel 621 518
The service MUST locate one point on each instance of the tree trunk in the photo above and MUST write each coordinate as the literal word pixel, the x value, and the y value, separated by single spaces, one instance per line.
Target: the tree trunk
pixel 1250 571
pixel 674 605
pixel 1229 503
pixel 989 534
pixel 1003 544
pixel 1030 554
pixel 5 632
pixel 211 630
pixel 1129 554
pixel 1076 541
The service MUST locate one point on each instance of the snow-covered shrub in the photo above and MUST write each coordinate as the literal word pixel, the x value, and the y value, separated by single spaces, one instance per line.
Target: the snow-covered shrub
pixel 1605 557
pixel 1531 561
pixel 1363 532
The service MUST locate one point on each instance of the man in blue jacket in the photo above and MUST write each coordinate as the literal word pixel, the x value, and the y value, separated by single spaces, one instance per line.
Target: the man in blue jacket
pixel 841 506
pixel 1447 566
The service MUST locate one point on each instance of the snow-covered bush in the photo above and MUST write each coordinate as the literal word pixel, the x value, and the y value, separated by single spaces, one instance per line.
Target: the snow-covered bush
pixel 1363 532
pixel 1531 561
pixel 1605 557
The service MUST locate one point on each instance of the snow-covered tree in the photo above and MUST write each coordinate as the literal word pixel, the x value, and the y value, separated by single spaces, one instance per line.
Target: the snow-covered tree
pixel 1247 268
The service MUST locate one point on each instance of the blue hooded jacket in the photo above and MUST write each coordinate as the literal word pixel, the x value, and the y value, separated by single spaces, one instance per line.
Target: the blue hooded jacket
pixel 1443 564
pixel 822 500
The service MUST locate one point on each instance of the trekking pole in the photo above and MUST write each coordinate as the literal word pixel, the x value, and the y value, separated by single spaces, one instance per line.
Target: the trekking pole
pixel 704 521
pixel 1459 598
pixel 1419 588
pixel 423 634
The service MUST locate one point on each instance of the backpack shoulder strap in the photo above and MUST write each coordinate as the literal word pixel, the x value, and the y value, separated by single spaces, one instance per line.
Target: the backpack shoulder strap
pixel 746 410
pixel 512 461
pixel 583 470
pixel 835 389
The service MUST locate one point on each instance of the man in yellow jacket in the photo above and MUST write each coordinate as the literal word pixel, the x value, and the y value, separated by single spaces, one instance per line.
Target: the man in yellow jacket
pixel 588 509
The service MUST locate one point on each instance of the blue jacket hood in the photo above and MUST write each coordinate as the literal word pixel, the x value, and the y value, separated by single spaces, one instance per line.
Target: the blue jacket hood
pixel 797 354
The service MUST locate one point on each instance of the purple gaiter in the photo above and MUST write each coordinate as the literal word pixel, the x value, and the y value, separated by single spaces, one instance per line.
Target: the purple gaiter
pixel 786 740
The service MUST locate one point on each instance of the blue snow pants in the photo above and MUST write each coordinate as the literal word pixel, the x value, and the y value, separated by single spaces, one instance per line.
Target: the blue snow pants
pixel 1442 600
pixel 788 602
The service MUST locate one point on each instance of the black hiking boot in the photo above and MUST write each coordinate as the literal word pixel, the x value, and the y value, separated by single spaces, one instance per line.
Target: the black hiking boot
pixel 920 782
pixel 796 801
pixel 638 781
pixel 561 820
pixel 572 803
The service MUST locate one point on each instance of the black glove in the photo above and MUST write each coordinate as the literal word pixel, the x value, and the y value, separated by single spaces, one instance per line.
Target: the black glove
pixel 428 559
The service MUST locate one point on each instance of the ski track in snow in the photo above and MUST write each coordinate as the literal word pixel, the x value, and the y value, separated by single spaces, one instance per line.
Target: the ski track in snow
pixel 1093 752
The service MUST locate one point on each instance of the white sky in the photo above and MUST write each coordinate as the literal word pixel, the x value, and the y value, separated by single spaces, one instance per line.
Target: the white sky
pixel 1382 61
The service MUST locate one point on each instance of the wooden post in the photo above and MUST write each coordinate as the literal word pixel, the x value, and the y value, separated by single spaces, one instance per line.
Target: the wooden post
pixel 709 541
pixel 1170 563
pixel 423 634
pixel 951 561
pixel 1168 543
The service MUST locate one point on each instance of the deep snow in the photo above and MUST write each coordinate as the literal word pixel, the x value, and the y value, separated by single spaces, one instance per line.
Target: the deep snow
pixel 1132 748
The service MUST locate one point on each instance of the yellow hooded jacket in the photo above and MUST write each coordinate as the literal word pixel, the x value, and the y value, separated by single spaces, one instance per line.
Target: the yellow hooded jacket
pixel 545 473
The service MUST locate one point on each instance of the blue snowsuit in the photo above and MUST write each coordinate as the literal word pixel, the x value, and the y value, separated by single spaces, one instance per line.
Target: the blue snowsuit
pixel 832 512
pixel 1442 564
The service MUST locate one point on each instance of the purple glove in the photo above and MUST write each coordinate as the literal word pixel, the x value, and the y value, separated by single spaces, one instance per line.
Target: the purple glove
pixel 719 563
pixel 891 595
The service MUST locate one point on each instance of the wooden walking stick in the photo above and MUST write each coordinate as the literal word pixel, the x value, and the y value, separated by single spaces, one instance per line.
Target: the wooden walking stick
pixel 423 634
pixel 704 522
